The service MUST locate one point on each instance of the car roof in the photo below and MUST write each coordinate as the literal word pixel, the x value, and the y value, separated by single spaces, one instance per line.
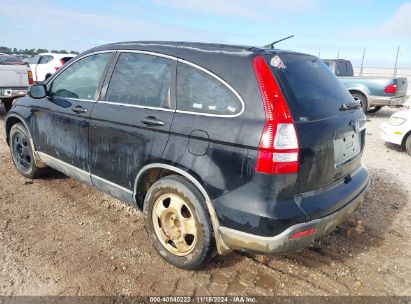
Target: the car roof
pixel 182 44
pixel 175 48
pixel 57 54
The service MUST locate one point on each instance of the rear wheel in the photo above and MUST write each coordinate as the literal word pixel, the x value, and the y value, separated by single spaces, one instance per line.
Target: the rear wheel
pixel 22 152
pixel 178 223
pixel 361 99
pixel 408 144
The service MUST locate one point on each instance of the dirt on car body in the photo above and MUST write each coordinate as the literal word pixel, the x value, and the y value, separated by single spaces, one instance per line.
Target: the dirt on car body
pixel 60 237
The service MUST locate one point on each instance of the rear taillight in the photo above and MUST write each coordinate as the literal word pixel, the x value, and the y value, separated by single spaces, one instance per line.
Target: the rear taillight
pixel 30 77
pixel 390 89
pixel 61 64
pixel 278 152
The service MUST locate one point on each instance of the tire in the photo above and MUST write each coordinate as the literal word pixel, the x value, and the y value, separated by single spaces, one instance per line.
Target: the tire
pixel 7 103
pixel 408 145
pixel 178 223
pixel 22 152
pixel 361 99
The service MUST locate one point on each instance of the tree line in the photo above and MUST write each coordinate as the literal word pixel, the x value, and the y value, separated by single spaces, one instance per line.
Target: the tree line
pixel 32 52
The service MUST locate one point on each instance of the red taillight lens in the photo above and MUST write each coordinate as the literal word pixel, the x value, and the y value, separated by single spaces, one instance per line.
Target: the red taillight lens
pixel 303 233
pixel 278 152
pixel 58 67
pixel 390 89
pixel 30 77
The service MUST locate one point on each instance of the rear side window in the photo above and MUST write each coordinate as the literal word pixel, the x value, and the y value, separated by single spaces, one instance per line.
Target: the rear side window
pixel 198 91
pixel 142 80
pixel 311 89
pixel 80 80
pixel 45 59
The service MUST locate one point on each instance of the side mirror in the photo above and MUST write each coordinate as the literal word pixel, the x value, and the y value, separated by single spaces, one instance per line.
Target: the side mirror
pixel 37 91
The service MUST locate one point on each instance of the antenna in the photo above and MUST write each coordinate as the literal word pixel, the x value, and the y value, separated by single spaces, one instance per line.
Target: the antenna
pixel 271 45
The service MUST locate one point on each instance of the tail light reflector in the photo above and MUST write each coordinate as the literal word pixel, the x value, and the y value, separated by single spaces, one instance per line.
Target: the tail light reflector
pixel 278 151
pixel 30 77
pixel 390 89
pixel 303 233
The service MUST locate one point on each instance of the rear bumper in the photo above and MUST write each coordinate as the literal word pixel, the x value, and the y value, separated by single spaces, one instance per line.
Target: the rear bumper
pixel 392 134
pixel 282 243
pixel 11 93
pixel 386 101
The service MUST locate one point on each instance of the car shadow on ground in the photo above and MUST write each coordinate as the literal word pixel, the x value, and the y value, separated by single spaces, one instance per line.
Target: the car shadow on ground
pixel 2 112
pixel 394 147
pixel 367 228
pixel 54 175
pixel 385 112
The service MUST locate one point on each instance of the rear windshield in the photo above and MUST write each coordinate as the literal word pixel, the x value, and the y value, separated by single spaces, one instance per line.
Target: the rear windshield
pixel 311 89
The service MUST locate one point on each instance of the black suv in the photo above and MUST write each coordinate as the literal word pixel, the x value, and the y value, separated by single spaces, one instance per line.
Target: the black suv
pixel 222 147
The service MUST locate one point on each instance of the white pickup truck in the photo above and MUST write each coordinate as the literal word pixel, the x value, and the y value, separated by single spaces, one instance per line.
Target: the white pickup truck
pixel 15 77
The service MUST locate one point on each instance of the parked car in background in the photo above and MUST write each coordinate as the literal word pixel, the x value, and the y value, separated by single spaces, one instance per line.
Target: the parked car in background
pixel 222 147
pixel 46 64
pixel 372 93
pixel 397 129
pixel 11 60
pixel 15 77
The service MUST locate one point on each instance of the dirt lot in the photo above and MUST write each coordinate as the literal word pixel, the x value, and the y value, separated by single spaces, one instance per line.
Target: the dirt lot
pixel 59 237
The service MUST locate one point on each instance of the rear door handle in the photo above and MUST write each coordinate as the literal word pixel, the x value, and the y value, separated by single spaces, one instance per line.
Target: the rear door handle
pixel 153 122
pixel 79 110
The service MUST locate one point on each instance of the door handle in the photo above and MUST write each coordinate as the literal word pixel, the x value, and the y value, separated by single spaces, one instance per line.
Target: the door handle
pixel 153 122
pixel 79 109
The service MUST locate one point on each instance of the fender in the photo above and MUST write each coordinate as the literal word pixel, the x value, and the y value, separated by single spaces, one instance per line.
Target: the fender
pixel 222 248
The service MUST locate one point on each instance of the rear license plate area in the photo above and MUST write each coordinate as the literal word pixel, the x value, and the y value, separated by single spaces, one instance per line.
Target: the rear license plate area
pixel 346 147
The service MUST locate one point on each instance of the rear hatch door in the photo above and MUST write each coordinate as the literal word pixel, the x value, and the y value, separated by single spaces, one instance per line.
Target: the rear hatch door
pixel 331 139
pixel 402 85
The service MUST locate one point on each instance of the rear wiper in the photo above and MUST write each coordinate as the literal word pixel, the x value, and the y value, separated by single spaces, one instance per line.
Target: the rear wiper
pixel 350 106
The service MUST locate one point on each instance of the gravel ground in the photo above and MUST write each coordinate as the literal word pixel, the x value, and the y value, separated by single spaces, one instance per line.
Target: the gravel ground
pixel 59 237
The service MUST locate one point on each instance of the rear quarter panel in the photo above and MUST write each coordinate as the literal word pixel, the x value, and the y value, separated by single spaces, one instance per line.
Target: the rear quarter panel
pixel 371 86
pixel 220 151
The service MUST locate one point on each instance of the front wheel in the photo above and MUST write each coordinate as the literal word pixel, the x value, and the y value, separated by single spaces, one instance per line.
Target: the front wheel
pixel 408 145
pixel 22 152
pixel 178 223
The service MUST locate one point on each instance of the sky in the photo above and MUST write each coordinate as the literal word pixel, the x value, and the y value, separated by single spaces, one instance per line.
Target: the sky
pixel 323 28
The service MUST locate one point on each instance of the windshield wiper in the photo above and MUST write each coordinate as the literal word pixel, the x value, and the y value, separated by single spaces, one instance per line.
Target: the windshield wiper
pixel 350 106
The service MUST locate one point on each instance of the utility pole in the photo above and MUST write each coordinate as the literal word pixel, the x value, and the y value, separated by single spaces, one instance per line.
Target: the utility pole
pixel 338 55
pixel 396 62
pixel 362 63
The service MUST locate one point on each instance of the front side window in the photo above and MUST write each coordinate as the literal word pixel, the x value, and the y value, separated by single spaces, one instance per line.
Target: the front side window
pixel 80 80
pixel 200 92
pixel 142 80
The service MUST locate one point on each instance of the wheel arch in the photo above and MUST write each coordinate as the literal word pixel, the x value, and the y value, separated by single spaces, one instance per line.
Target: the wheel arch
pixel 13 119
pixel 152 172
